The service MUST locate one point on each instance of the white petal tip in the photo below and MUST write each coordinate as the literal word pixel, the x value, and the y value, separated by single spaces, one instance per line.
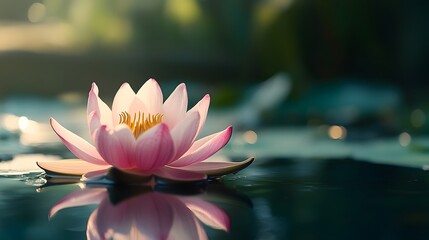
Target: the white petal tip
pixel 94 88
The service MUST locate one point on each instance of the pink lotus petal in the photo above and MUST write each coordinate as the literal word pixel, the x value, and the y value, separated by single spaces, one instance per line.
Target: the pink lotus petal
pixel 122 101
pixel 154 148
pixel 210 147
pixel 117 147
pixel 179 175
pixel 80 197
pixel 214 169
pixel 201 142
pixel 96 104
pixel 137 107
pixel 151 95
pixel 93 123
pixel 184 133
pixel 75 167
pixel 77 145
pixel 175 106
pixel 202 107
pixel 208 213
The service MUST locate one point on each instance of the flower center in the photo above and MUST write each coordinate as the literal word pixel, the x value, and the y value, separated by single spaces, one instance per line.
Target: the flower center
pixel 139 123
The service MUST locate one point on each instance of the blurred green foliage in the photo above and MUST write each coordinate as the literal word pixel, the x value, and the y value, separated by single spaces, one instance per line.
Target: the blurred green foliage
pixel 225 42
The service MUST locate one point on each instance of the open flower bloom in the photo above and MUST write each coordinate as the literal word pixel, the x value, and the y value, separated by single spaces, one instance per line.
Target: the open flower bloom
pixel 143 135
pixel 151 215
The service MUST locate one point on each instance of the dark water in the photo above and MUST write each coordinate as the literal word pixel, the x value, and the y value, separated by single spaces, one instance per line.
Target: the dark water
pixel 272 199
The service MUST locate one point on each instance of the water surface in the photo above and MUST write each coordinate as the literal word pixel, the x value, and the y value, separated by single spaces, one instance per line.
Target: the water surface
pixel 276 198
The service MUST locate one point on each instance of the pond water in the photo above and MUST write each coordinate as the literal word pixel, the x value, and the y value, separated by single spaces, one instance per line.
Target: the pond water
pixel 275 198
pixel 302 185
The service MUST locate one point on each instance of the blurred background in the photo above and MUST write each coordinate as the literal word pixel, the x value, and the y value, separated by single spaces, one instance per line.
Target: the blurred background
pixel 348 62
pixel 352 70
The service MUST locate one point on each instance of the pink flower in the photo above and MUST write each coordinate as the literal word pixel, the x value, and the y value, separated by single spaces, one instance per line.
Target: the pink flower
pixel 151 215
pixel 142 134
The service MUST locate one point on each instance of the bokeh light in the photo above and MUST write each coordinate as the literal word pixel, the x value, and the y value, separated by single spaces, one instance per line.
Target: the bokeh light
pixel 250 137
pixel 23 123
pixel 404 139
pixel 337 132
pixel 36 12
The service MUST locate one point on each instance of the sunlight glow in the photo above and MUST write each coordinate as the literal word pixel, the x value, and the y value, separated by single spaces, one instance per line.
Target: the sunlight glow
pixel 10 122
pixel 31 133
pixel 47 37
pixel 23 123
pixel 15 123
pixel 184 11
pixel 26 125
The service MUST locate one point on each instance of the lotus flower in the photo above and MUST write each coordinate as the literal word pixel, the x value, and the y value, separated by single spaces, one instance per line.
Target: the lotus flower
pixel 143 135
pixel 151 215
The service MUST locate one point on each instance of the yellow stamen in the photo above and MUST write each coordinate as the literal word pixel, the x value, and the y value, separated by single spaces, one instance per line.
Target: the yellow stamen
pixel 138 123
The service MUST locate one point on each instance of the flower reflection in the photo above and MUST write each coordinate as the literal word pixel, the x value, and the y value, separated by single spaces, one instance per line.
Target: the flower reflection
pixel 144 214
